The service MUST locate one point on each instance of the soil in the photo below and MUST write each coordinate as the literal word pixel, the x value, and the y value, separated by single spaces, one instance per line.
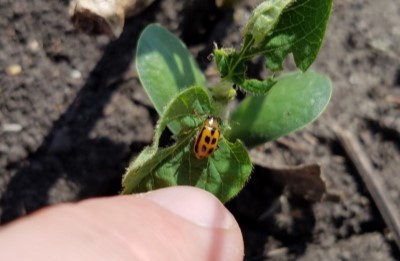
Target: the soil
pixel 76 114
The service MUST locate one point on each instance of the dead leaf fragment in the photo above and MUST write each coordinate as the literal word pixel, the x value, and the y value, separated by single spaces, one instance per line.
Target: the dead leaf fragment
pixel 304 180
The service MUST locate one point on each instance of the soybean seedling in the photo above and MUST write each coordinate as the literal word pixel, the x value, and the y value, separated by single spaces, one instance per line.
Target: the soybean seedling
pixel 214 156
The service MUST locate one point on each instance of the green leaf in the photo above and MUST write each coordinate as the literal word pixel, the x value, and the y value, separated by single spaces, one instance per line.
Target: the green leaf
pixel 180 112
pixel 264 18
pixel 224 173
pixel 275 29
pixel 165 67
pixel 255 86
pixel 300 31
pixel 293 102
pixel 221 57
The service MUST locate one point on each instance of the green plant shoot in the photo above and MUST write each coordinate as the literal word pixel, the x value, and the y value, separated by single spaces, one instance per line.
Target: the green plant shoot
pixel 177 88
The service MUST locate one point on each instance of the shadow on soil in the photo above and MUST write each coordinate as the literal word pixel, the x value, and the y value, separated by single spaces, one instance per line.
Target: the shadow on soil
pixel 262 211
pixel 67 153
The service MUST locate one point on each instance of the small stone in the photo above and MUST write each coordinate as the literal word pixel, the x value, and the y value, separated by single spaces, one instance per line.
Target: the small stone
pixel 33 46
pixel 12 127
pixel 14 69
pixel 75 74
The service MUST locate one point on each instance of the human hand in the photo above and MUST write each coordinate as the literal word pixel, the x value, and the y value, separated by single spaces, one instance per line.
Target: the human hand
pixel 178 223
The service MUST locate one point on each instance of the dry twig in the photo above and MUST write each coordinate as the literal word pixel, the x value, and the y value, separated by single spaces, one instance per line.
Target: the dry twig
pixel 373 182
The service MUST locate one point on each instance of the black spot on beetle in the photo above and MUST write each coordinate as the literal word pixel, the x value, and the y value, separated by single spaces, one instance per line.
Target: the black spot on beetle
pixel 212 132
pixel 204 148
pixel 196 146
pixel 214 140
pixel 207 139
pixel 210 150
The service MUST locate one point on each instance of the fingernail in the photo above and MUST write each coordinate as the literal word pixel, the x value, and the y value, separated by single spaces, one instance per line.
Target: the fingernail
pixel 193 204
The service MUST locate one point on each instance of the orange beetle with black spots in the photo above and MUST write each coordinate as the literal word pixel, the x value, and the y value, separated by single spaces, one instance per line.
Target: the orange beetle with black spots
pixel 207 139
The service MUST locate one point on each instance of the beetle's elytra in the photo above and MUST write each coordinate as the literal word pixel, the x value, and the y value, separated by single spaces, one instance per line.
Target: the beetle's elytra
pixel 207 139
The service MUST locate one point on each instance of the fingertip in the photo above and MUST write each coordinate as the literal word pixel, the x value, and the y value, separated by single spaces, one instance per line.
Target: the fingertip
pixel 220 234
pixel 193 204
pixel 179 223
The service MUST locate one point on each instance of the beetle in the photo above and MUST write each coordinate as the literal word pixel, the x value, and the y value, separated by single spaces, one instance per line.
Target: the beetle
pixel 206 141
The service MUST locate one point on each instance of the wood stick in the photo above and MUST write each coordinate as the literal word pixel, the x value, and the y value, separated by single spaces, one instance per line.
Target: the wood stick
pixel 104 16
pixel 372 180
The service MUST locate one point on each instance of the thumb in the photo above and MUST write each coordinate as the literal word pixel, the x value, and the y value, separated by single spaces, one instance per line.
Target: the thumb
pixel 179 223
